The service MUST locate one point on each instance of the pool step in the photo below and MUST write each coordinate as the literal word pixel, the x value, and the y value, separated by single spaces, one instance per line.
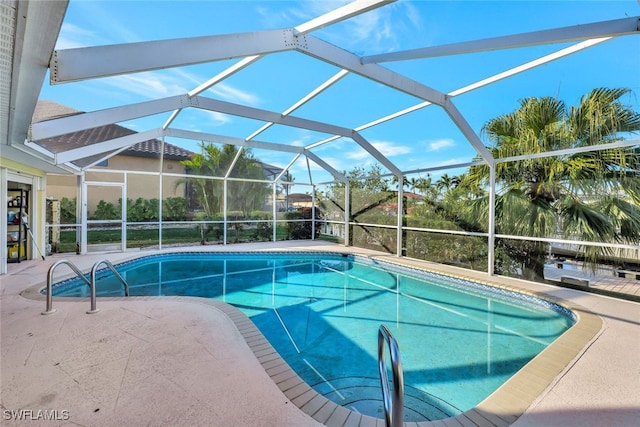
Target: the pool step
pixel 364 395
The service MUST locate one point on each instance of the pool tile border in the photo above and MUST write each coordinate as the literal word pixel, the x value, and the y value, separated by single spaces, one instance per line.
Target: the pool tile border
pixel 500 409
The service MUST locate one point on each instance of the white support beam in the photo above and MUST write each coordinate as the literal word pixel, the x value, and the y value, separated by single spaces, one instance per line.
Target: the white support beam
pixel 614 28
pixel 268 116
pixel 344 59
pixel 309 173
pixel 400 218
pixel 221 139
pixel 373 151
pixel 36 158
pixel 286 168
pixel 443 167
pixel 240 65
pixel 570 151
pixel 229 140
pixel 56 127
pixel 50 128
pixel 476 85
pixel 324 141
pixel 77 64
pixel 529 65
pixel 491 239
pixel 347 213
pixel 342 13
pixel 108 156
pixel 233 163
pixel 274 213
pixel 46 153
pixel 333 79
pixel 313 213
pixel 78 122
pixel 106 146
pixel 25 57
pixel 171 118
pixel 213 81
pixel 317 160
pixel 468 132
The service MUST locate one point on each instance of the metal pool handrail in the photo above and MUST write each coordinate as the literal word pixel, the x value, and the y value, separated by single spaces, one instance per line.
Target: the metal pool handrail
pixel 92 285
pixel 50 309
pixel 393 405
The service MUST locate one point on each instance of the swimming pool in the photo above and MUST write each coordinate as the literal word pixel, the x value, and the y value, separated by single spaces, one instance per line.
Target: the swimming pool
pixel 459 340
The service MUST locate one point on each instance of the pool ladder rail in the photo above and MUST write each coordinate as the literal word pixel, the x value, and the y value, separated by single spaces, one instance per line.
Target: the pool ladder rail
pixel 91 283
pixel 393 404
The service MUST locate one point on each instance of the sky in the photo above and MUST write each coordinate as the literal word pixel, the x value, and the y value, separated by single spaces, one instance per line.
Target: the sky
pixel 426 138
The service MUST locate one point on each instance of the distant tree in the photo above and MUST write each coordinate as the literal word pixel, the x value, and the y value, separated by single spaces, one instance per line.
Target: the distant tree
pixel 446 183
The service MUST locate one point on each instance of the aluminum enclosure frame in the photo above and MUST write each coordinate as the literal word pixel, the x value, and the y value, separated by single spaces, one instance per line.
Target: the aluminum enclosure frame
pixel 71 65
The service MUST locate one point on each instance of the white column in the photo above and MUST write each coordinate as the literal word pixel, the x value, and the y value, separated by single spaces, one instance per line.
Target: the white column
pixel 224 211
pixel 491 244
pixel 400 215
pixel 313 212
pixel 81 214
pixel 274 210
pixel 347 211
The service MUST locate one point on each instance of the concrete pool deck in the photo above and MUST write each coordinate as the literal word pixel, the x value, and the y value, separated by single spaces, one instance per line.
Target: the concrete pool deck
pixel 187 361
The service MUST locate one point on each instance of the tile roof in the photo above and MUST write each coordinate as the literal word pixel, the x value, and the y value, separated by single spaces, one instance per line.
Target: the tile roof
pixel 47 110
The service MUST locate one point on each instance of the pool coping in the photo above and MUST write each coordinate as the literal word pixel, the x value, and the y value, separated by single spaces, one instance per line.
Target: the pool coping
pixel 503 407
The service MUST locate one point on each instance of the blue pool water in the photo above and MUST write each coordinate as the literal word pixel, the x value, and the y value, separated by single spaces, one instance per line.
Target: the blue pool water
pixel 459 341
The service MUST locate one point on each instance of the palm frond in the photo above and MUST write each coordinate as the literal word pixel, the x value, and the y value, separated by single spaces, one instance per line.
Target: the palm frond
pixel 585 222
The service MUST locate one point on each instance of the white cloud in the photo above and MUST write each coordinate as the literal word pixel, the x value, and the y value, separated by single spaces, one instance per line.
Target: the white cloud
pixel 379 30
pixel 71 36
pixel 440 144
pixel 372 26
pixel 334 162
pixel 293 16
pixel 387 149
pixel 358 154
pixel 232 94
pixel 217 119
pixel 148 85
pixel 106 28
pixel 155 85
pixel 390 149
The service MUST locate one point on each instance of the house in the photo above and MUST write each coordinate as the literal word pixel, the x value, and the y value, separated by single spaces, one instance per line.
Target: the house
pixel 112 167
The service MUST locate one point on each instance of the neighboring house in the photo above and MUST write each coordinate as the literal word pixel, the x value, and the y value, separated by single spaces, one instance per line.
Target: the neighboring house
pixel 411 200
pixel 299 201
pixel 141 157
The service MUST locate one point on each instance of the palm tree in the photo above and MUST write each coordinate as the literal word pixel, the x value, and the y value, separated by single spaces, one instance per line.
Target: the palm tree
pixel 242 196
pixel 216 162
pixel 591 196
pixel 446 183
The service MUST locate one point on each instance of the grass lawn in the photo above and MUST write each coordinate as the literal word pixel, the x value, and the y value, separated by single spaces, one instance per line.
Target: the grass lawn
pixel 141 237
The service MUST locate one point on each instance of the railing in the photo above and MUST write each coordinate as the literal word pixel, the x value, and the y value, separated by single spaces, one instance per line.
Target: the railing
pixel 393 405
pixel 93 282
pixel 50 309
